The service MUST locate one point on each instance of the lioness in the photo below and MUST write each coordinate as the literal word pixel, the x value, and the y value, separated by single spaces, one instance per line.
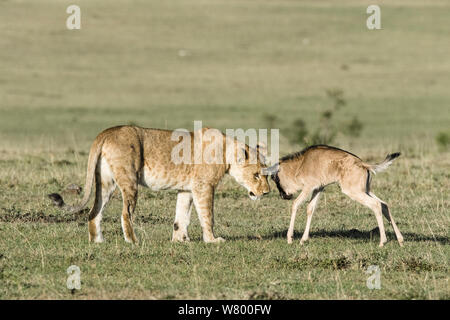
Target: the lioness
pixel 129 155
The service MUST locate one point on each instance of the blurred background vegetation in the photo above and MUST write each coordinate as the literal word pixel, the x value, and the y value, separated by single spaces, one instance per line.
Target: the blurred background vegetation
pixel 309 68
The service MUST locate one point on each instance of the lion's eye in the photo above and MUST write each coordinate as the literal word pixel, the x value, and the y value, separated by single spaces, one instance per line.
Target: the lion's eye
pixel 256 175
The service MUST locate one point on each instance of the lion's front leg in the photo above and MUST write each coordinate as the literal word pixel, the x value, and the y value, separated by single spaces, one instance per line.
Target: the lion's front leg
pixel 182 216
pixel 203 196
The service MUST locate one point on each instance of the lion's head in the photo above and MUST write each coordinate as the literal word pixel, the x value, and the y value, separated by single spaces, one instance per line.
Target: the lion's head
pixel 248 172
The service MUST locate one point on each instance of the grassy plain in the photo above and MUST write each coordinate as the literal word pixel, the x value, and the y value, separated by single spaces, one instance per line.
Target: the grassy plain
pixel 227 63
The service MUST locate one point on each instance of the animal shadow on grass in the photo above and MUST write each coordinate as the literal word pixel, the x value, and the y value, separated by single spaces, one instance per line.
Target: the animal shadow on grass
pixel 350 234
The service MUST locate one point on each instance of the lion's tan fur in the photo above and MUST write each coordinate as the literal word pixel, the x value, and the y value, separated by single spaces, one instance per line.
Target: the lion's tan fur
pixel 128 156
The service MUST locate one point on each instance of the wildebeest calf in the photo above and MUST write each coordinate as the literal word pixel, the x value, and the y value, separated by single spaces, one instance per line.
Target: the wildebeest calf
pixel 317 166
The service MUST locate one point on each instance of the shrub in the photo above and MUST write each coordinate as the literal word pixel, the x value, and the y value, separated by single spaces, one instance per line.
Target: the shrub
pixel 327 131
pixel 354 128
pixel 443 140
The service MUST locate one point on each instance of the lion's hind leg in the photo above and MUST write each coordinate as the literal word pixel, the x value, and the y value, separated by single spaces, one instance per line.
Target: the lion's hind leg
pixel 128 185
pixel 104 188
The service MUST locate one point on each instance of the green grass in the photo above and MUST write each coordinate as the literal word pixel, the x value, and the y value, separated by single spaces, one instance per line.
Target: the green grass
pixel 59 88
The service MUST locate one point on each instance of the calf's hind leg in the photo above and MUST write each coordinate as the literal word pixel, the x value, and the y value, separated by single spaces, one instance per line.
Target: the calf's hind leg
pixel 373 204
pixel 387 214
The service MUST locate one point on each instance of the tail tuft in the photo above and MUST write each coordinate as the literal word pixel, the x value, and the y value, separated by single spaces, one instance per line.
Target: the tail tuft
pixel 392 156
pixel 385 164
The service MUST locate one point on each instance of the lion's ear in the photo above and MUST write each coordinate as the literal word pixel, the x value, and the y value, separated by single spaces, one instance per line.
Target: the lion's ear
pixel 242 155
pixel 261 148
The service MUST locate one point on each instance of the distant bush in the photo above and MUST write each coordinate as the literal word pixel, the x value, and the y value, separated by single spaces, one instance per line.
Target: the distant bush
pixel 337 95
pixel 298 132
pixel 443 140
pixel 327 130
pixel 270 120
pixel 354 127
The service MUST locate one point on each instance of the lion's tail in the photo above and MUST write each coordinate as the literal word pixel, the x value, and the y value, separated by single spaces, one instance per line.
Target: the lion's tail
pixel 94 155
